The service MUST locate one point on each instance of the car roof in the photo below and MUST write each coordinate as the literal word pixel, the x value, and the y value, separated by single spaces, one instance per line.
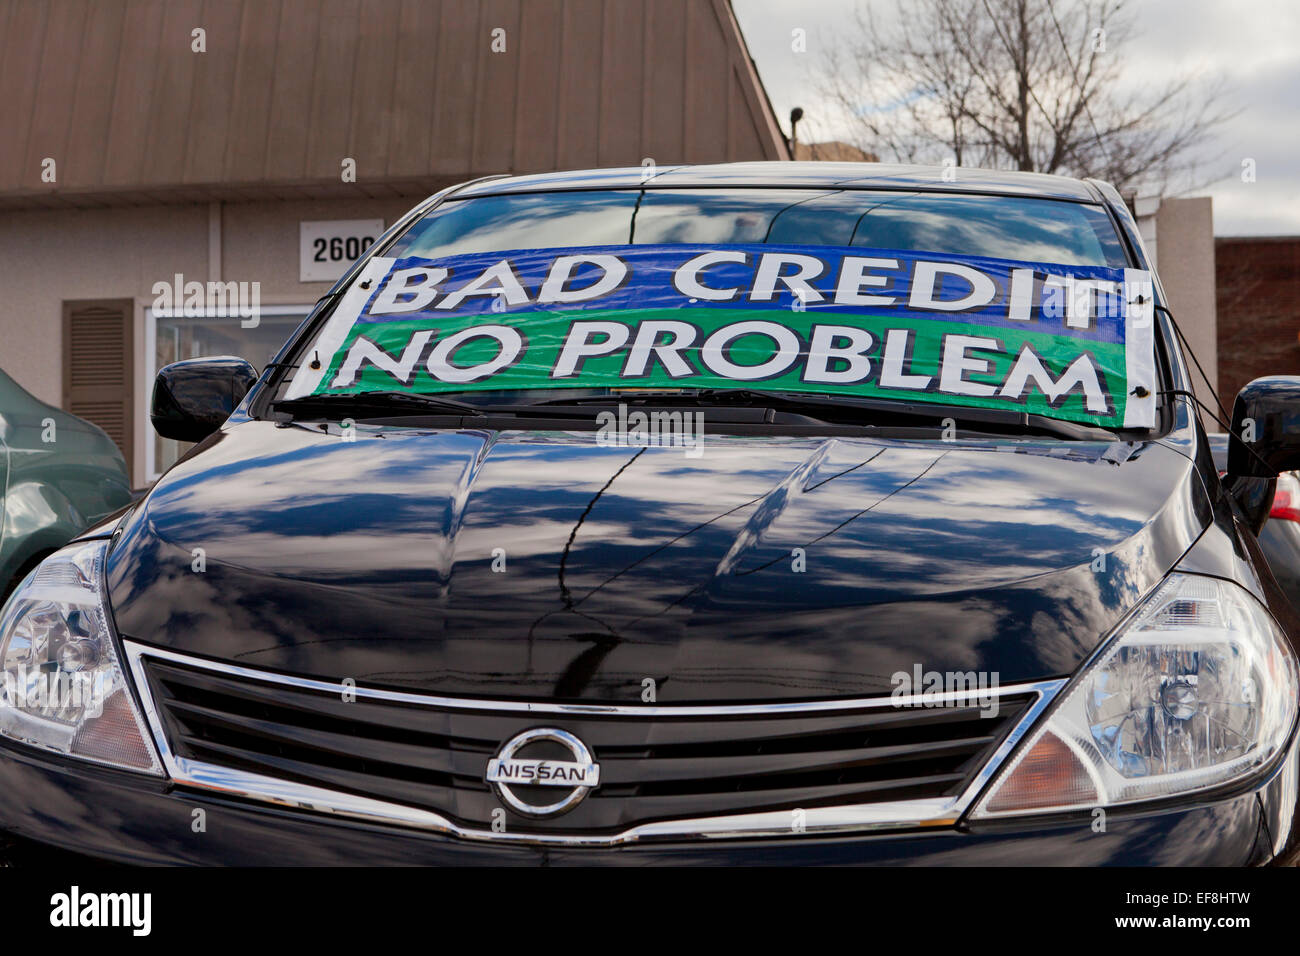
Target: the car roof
pixel 794 175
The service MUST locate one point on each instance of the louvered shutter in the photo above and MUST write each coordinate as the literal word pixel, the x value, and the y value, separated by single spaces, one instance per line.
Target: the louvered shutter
pixel 97 366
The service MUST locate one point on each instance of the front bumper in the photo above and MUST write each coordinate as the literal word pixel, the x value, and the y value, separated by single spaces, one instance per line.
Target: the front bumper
pixel 121 818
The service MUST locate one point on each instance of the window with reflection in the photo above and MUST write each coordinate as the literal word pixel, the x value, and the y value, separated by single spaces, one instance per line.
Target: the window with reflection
pixel 1004 227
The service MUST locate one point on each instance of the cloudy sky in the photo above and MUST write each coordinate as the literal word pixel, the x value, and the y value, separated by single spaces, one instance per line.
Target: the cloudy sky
pixel 1253 45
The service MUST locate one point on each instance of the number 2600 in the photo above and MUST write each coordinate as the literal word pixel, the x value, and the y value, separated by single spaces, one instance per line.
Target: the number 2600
pixel 338 248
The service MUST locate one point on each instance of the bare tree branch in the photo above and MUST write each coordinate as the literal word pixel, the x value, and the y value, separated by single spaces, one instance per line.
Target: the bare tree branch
pixel 1023 84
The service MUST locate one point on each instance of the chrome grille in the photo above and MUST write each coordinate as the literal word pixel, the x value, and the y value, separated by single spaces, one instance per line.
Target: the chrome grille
pixel 659 765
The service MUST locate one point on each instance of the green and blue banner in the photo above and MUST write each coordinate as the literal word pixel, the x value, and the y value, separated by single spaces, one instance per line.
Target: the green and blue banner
pixel 1071 342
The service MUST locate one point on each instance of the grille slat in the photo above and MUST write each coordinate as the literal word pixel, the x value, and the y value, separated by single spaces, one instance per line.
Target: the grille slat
pixel 653 767
pixel 615 771
pixel 273 734
pixel 671 805
pixel 491 728
pixel 430 790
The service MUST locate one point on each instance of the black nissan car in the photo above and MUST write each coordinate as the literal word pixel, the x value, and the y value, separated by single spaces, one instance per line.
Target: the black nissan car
pixel 758 513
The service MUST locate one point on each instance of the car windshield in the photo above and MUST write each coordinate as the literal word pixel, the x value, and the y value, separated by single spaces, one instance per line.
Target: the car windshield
pixel 1027 229
pixel 1013 305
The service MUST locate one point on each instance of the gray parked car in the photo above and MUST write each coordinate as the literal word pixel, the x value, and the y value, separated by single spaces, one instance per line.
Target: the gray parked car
pixel 59 474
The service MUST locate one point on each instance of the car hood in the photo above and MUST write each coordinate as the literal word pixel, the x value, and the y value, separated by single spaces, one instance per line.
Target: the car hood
pixel 547 565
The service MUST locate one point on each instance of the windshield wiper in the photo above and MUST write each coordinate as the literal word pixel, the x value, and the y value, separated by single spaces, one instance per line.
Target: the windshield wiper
pixel 882 412
pixel 381 401
pixel 852 410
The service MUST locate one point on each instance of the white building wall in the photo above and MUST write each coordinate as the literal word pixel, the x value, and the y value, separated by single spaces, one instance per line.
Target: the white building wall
pixel 49 256
pixel 1179 236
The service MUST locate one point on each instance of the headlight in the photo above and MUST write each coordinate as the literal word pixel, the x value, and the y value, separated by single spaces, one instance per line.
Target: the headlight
pixel 63 685
pixel 1198 689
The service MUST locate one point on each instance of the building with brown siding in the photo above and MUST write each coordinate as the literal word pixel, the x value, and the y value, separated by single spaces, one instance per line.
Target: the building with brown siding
pixel 136 149
pixel 1259 309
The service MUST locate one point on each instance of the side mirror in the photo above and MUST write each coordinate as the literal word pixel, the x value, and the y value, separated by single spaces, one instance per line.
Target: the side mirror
pixel 1265 441
pixel 193 398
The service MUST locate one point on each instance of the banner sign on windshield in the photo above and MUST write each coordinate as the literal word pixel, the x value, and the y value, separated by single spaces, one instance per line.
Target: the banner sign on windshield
pixel 1070 342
